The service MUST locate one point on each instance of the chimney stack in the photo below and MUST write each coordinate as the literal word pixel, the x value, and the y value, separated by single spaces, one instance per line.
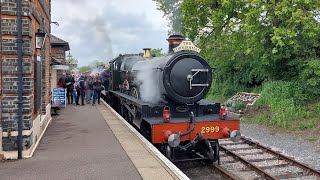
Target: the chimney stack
pixel 174 41
pixel 147 52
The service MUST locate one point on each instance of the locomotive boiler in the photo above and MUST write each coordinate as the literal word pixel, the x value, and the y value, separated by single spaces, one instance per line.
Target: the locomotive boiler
pixel 164 97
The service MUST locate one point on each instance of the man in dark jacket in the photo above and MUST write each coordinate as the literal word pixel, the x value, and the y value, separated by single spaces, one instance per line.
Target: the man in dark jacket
pixel 89 88
pixel 69 85
pixel 81 90
pixel 105 79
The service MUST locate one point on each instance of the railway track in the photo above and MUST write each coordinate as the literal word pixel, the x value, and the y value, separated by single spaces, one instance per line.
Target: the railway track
pixel 246 160
pixel 250 160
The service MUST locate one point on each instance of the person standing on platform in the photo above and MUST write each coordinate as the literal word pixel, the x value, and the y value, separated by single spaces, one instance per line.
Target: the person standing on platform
pixel 69 86
pixel 105 79
pixel 62 81
pixel 97 88
pixel 75 87
pixel 80 90
pixel 89 88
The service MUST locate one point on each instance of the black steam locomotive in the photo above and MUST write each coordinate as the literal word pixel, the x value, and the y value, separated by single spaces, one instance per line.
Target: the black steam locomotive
pixel 163 98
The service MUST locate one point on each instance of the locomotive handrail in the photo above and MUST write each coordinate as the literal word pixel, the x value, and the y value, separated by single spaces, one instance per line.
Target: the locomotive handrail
pixel 190 78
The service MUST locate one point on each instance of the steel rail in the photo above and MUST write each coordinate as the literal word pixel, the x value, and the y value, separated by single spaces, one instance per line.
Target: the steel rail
pixel 308 169
pixel 225 173
pixel 260 171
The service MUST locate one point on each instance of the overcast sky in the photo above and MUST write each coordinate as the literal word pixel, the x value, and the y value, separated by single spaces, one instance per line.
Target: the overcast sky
pixel 103 29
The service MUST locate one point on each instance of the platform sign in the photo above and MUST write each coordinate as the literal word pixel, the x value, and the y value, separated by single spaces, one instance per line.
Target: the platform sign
pixel 59 97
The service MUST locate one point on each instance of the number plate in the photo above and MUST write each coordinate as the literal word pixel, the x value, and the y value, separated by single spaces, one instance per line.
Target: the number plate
pixel 210 129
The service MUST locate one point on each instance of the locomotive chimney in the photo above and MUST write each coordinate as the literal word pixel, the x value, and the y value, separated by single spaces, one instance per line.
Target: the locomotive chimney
pixel 147 52
pixel 174 41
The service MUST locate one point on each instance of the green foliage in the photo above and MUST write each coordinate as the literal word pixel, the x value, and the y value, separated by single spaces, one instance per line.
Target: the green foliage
pixel 272 46
pixel 71 60
pixel 285 102
pixel 317 108
pixel 238 106
pixel 157 52
pixel 83 69
pixel 251 42
pixel 310 77
pixel 229 103
pixel 172 11
pixel 313 139
pixel 235 105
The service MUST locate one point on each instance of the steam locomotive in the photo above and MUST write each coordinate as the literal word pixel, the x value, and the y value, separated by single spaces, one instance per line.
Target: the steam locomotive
pixel 163 97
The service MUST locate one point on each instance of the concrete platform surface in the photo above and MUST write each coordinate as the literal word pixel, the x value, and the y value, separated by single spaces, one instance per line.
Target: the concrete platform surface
pixel 145 159
pixel 78 144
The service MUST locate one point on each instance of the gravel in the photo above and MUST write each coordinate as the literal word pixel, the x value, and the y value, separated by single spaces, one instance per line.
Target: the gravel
pixel 259 156
pixel 238 169
pixel 237 146
pixel 270 163
pixel 284 170
pixel 305 178
pixel 248 151
pixel 236 165
pixel 301 150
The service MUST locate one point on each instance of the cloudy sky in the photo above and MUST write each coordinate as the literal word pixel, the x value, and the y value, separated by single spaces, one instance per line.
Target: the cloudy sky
pixel 102 29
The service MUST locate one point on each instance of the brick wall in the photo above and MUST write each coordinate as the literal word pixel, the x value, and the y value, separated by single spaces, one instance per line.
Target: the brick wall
pixel 59 53
pixel 34 12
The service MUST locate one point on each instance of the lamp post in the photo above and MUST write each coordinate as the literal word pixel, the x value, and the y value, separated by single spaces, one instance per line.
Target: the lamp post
pixel 40 36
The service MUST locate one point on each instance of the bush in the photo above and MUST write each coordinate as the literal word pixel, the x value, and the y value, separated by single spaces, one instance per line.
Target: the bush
pixel 310 78
pixel 238 106
pixel 285 101
pixel 235 105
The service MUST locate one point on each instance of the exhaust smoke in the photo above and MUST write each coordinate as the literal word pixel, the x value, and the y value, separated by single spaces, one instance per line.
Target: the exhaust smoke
pixel 149 78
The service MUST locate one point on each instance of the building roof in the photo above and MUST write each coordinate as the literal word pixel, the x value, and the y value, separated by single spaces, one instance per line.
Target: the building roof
pixel 55 41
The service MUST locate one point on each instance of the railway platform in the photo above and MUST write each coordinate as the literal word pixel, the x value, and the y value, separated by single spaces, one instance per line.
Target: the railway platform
pixel 88 142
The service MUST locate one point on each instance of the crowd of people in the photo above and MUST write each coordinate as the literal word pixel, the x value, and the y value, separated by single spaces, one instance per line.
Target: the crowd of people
pixel 87 87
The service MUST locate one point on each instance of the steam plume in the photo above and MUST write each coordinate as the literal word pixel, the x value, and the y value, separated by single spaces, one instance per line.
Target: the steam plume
pixel 150 89
pixel 102 36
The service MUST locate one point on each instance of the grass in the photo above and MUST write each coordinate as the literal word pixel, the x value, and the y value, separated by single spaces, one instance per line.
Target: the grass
pixel 313 139
pixel 283 106
pixel 235 105
pixel 287 107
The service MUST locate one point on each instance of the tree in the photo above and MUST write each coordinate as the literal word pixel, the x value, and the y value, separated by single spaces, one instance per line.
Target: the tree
pixel 84 69
pixel 157 52
pixel 172 11
pixel 253 41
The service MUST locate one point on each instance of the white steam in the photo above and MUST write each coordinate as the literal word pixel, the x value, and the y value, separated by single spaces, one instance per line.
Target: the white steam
pixel 149 77
pixel 98 70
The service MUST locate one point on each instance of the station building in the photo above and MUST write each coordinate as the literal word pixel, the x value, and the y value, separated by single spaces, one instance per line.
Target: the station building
pixel 36 17
pixel 58 59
